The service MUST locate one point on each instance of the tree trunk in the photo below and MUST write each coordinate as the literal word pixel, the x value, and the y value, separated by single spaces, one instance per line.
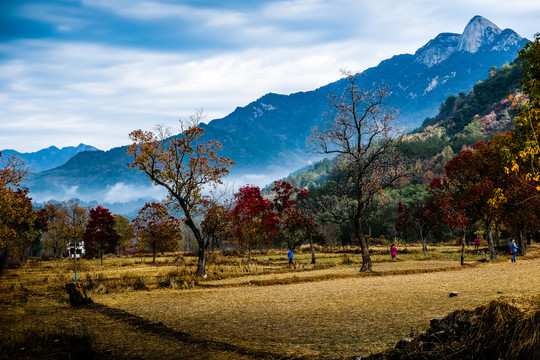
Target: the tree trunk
pixel 77 295
pixel 497 235
pixel 366 259
pixel 491 246
pixel 522 245
pixel 201 263
pixel 424 246
pixel 249 255
pixel 312 246
pixel 154 251
pixel 463 248
pixel 75 258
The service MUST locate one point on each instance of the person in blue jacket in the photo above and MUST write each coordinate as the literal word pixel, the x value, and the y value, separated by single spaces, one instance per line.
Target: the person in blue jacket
pixel 513 250
pixel 290 255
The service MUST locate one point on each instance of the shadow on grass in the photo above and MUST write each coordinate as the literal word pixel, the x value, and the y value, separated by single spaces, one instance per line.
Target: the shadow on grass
pixel 157 328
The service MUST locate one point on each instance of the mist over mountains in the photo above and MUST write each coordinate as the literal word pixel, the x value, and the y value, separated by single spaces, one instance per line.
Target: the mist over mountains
pixel 267 138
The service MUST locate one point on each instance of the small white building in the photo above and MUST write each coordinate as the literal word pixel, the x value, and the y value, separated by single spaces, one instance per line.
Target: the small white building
pixel 80 250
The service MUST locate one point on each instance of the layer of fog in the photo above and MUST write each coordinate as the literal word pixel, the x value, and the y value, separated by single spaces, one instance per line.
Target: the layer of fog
pixel 127 199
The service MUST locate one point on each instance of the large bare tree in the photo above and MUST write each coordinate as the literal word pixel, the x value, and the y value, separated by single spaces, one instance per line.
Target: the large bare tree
pixel 185 166
pixel 360 129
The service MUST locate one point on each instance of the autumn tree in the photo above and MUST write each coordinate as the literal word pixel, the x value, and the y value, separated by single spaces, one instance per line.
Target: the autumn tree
pixel 184 166
pixel 253 220
pixel 100 234
pixel 524 156
pixel 39 228
pixel 125 231
pixel 450 210
pixel 156 230
pixel 361 131
pixel 520 212
pixel 66 224
pixel 56 236
pixel 12 171
pixel 16 213
pixel 418 215
pixel 295 224
pixel 476 176
pixel 16 222
pixel 215 225
pixel 285 202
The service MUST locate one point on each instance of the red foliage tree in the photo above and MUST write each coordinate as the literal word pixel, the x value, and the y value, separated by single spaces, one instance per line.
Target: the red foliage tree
pixel 157 230
pixel 215 224
pixel 450 207
pixel 479 181
pixel 253 220
pixel 295 225
pixel 100 234
pixel 287 196
pixel 418 216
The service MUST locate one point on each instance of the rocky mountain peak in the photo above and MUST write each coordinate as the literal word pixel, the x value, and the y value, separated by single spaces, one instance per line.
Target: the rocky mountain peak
pixel 479 31
pixel 438 49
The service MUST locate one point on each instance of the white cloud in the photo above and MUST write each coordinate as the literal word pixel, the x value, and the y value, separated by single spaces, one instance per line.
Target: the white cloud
pixel 122 193
pixel 118 193
pixel 119 90
pixel 63 93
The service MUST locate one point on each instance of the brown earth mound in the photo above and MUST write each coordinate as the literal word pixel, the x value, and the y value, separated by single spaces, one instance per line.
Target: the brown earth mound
pixel 497 330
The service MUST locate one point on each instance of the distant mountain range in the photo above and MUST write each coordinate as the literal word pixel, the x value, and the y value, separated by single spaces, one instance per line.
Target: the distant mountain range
pixel 50 157
pixel 267 138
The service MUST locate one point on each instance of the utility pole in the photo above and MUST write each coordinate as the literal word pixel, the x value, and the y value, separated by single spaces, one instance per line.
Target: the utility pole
pixel 75 257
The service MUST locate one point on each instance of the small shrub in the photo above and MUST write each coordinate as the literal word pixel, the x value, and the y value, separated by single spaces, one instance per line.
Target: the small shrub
pixel 346 259
pixel 92 281
pixel 134 282
pixel 233 252
pixel 176 280
pixel 212 258
pixel 139 284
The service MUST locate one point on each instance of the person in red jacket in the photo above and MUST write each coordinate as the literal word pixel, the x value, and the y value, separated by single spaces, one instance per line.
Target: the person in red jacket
pixel 393 251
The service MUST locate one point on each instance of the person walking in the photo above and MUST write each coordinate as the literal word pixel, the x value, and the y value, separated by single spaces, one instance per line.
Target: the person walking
pixel 476 242
pixel 393 251
pixel 513 250
pixel 290 255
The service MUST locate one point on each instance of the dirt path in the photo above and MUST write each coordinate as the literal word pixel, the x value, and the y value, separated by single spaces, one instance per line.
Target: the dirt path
pixel 329 319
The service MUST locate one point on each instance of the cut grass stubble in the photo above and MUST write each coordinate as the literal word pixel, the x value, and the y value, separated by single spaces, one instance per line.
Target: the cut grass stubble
pixel 348 316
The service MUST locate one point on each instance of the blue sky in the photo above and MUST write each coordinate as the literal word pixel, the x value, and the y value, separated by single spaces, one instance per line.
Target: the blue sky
pixel 91 71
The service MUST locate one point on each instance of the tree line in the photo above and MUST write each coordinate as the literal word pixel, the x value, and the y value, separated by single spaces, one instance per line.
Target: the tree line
pixel 492 185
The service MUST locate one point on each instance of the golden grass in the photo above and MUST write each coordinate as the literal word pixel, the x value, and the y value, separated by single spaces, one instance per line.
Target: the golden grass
pixel 324 311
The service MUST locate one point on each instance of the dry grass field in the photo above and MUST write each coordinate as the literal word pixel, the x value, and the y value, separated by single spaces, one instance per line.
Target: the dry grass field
pixel 266 311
